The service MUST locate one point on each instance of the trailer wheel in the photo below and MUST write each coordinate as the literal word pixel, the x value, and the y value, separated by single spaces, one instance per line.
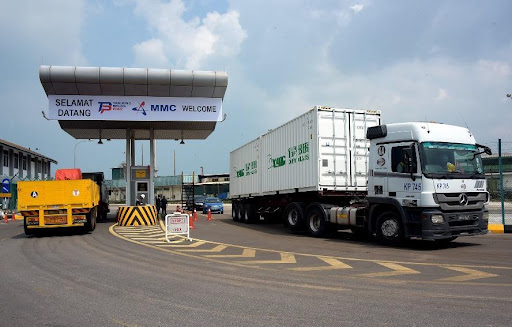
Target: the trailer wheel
pixel 389 228
pixel 294 216
pixel 316 223
pixel 234 212
pixel 249 215
pixel 241 212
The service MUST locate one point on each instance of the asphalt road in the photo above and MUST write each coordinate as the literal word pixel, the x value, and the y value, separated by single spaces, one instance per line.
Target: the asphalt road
pixel 233 274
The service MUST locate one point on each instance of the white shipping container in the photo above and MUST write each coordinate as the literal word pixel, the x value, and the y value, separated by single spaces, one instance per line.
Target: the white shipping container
pixel 324 149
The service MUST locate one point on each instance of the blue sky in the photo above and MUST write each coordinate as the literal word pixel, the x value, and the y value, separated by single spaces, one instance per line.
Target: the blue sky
pixel 445 61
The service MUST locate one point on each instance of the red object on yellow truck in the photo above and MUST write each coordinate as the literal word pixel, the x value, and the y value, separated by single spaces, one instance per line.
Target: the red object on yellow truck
pixel 67 202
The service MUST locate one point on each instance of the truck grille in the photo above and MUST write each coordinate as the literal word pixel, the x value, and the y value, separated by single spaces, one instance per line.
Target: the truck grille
pixel 452 201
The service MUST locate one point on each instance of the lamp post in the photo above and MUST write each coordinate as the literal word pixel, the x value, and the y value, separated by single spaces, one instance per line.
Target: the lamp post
pixel 74 152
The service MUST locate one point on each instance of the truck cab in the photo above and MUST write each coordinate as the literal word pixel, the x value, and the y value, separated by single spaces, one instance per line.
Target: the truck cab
pixel 426 180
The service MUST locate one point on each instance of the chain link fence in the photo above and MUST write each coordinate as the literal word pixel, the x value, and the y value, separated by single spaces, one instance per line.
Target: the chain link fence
pixel 499 187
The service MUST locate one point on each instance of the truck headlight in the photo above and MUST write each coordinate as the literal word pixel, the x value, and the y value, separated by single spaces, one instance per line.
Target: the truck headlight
pixel 437 219
pixel 485 216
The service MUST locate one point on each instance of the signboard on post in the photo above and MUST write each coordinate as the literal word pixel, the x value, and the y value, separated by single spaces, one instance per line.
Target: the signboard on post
pixel 6 185
pixel 177 224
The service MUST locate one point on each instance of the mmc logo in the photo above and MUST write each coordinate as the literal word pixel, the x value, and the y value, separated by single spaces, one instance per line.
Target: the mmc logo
pixel 140 108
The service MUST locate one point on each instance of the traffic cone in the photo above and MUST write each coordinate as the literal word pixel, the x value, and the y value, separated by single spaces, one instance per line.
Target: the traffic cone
pixel 191 222
pixel 209 215
pixel 195 215
pixel 178 209
pixel 13 216
pixel 6 219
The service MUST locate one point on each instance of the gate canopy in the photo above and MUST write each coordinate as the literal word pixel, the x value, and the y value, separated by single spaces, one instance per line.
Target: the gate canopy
pixel 103 102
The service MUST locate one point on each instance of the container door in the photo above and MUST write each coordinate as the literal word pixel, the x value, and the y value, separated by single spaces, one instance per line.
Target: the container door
pixel 333 149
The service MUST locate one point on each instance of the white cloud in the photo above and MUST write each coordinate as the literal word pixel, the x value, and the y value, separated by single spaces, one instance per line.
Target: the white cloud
pixel 151 54
pixel 357 7
pixel 187 43
pixel 441 95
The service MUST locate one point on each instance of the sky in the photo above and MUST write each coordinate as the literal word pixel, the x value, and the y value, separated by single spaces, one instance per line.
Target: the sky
pixel 443 61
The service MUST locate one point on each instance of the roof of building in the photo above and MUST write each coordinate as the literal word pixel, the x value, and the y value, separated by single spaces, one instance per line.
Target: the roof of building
pixel 117 81
pixel 26 150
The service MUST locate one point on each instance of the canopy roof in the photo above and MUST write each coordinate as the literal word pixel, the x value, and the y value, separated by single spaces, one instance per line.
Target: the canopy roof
pixel 115 81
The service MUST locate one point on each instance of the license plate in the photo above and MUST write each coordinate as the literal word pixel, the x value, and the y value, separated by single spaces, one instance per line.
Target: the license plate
pixel 55 220
pixel 465 217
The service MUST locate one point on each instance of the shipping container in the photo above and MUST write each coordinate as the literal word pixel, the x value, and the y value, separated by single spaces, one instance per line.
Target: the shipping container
pixel 325 150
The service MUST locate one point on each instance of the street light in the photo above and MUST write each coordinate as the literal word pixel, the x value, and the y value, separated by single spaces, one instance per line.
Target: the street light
pixel 74 152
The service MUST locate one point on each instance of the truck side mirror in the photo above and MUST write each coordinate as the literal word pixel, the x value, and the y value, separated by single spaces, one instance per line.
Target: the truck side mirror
pixel 410 165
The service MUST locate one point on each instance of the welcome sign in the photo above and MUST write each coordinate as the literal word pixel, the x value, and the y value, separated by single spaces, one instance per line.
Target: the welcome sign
pixel 134 108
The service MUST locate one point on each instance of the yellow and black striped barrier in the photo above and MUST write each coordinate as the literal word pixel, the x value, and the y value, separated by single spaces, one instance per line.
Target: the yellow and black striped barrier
pixel 136 215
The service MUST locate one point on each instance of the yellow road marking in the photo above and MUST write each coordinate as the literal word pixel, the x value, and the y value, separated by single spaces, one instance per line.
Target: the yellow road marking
pixel 218 248
pixel 193 245
pixel 285 258
pixel 247 253
pixel 396 266
pixel 333 265
pixel 396 270
pixel 470 274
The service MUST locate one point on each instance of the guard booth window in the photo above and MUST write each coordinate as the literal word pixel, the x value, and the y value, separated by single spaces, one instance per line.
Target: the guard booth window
pixel 397 160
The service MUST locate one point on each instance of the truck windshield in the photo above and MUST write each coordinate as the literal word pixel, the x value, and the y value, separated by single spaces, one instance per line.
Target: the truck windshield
pixel 450 160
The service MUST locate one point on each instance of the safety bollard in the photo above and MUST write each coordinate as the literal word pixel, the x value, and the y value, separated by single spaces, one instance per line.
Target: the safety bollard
pixel 195 215
pixel 191 222
pixel 209 215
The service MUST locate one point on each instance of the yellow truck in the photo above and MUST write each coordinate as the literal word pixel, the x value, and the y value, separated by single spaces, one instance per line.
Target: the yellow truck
pixel 59 203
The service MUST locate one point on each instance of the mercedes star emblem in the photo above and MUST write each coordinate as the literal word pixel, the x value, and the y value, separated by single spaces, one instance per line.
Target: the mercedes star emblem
pixel 463 199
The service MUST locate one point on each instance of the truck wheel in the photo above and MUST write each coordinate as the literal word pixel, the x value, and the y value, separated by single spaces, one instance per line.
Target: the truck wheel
pixel 249 216
pixel 294 216
pixel 28 232
pixel 389 228
pixel 90 225
pixel 234 212
pixel 241 212
pixel 316 223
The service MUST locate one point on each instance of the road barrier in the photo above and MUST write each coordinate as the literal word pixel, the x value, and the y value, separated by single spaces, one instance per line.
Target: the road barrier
pixel 136 215
pixel 178 224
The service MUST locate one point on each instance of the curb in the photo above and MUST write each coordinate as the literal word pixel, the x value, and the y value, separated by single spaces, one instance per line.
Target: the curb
pixel 499 228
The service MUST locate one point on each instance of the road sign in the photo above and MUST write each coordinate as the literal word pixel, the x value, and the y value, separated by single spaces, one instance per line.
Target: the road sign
pixel 177 224
pixel 6 185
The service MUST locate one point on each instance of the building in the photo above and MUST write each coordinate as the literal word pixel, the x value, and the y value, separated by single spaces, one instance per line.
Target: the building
pixel 23 163
pixel 213 185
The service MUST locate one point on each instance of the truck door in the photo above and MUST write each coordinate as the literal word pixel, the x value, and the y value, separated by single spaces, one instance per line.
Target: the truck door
pixel 400 182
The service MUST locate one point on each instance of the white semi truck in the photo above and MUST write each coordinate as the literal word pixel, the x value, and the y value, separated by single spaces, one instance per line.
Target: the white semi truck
pixel 343 169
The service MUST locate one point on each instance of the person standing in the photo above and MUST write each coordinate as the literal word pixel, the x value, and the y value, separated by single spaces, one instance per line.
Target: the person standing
pixel 163 204
pixel 158 204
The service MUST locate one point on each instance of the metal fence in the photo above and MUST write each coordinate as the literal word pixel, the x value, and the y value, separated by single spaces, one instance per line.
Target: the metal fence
pixel 498 171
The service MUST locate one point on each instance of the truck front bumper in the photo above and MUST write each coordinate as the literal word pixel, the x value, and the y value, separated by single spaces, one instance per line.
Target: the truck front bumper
pixel 438 225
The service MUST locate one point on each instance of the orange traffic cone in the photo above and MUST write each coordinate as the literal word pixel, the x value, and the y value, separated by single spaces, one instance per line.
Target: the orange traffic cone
pixel 195 215
pixel 13 216
pixel 6 219
pixel 209 215
pixel 191 222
